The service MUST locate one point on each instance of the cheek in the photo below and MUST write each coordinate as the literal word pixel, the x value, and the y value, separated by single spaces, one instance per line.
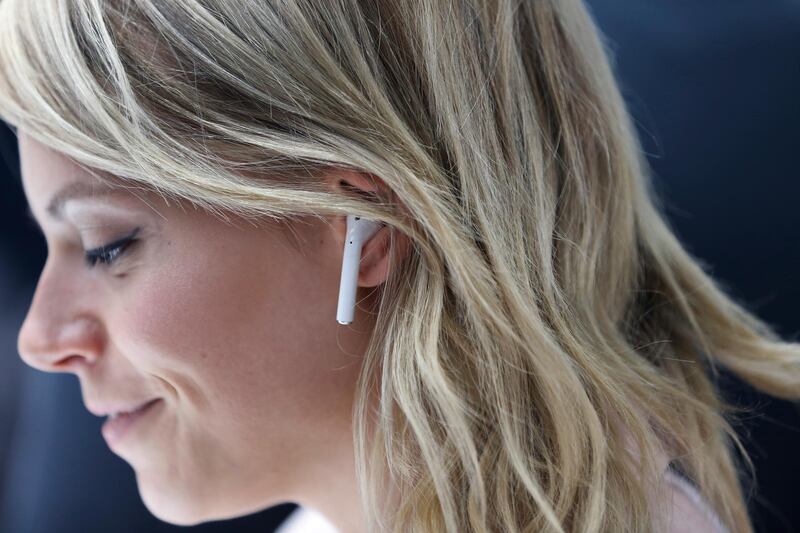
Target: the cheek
pixel 244 332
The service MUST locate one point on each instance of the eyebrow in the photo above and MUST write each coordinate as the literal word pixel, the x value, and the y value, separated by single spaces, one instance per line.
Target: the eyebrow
pixel 74 190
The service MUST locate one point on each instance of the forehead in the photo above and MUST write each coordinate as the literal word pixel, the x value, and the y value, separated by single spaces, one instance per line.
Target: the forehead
pixel 45 171
pixel 51 178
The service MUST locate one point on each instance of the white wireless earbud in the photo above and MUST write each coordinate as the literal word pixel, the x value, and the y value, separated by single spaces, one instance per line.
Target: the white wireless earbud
pixel 359 230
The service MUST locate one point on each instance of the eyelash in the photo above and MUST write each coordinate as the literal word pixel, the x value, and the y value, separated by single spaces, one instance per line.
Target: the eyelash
pixel 109 253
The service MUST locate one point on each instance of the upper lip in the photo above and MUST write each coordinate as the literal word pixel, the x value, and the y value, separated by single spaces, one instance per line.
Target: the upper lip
pixel 103 409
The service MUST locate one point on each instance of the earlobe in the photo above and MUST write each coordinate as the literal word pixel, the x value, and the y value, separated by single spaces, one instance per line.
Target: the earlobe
pixel 379 259
pixel 374 265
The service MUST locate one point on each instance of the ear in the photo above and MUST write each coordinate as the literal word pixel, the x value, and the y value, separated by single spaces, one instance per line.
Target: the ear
pixel 378 256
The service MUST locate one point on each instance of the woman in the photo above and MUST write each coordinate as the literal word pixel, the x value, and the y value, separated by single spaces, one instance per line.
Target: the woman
pixel 532 349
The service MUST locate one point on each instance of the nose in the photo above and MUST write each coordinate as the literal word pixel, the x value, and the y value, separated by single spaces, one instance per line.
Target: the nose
pixel 60 333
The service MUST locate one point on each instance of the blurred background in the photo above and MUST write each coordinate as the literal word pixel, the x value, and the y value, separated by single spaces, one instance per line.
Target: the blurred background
pixel 713 88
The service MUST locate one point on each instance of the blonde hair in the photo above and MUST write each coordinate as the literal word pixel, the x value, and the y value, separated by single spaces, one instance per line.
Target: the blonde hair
pixel 546 309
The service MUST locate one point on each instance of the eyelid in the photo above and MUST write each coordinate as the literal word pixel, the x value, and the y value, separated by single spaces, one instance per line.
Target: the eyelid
pixel 96 254
pixel 114 244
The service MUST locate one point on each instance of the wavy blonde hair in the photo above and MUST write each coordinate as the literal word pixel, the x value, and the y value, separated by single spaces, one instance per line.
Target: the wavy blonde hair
pixel 547 309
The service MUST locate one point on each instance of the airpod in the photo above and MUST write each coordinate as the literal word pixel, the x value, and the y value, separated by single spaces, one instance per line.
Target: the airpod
pixel 359 230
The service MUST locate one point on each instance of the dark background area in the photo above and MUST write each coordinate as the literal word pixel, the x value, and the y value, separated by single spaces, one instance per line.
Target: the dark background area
pixel 714 89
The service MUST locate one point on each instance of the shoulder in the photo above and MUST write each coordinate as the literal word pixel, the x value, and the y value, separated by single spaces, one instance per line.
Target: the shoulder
pixel 690 513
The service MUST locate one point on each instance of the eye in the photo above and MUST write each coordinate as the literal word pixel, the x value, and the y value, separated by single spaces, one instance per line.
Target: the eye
pixel 108 253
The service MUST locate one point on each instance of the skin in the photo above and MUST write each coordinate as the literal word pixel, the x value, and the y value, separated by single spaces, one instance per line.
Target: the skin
pixel 230 325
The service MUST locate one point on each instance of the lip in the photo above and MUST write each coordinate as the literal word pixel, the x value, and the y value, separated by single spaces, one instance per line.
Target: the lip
pixel 117 407
pixel 117 428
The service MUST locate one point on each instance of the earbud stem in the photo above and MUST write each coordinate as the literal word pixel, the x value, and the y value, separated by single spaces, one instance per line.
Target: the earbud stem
pixel 359 230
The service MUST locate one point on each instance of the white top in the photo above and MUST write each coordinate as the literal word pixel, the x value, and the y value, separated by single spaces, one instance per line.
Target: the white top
pixel 306 520
pixel 690 513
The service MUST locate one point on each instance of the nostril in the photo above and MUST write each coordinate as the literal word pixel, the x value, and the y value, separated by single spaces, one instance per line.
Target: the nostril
pixel 67 361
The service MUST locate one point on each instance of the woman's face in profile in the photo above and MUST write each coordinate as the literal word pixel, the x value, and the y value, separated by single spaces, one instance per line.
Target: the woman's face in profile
pixel 230 327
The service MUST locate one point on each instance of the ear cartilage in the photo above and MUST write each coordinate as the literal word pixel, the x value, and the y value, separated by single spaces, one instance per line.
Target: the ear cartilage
pixel 359 230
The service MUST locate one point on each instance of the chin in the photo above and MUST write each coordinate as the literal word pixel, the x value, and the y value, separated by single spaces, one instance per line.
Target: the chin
pixel 175 505
pixel 177 508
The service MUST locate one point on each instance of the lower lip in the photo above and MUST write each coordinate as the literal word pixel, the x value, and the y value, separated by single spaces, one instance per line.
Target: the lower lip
pixel 115 430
